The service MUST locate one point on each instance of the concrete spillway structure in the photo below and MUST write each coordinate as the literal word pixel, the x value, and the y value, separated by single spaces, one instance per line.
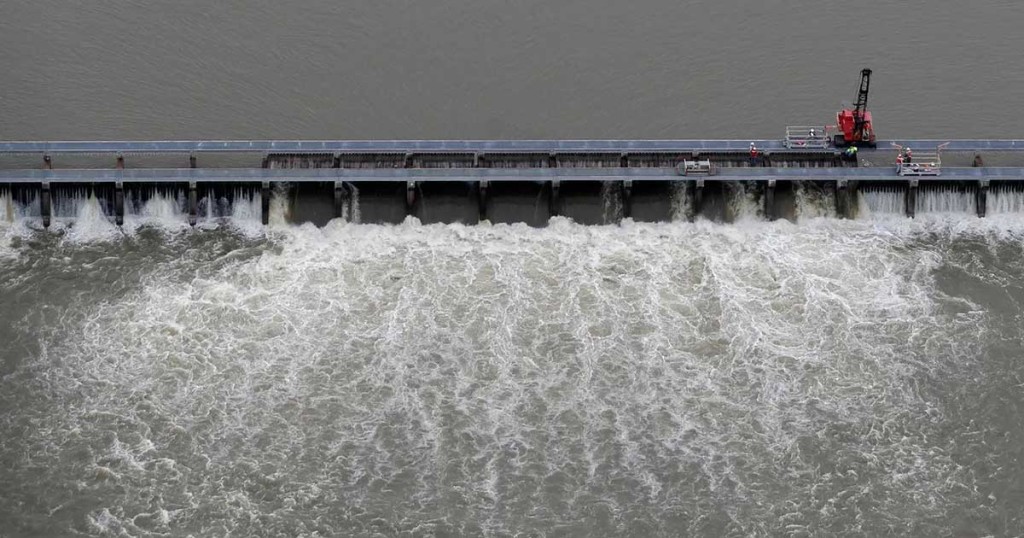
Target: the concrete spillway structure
pixel 592 182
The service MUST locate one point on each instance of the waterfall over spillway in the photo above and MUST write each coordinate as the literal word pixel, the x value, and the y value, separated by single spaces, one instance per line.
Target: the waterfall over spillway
pixel 882 201
pixel 159 207
pixel 946 200
pixel 1005 199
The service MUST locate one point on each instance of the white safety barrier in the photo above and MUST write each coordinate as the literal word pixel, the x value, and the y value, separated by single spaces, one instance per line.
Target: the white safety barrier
pixel 806 137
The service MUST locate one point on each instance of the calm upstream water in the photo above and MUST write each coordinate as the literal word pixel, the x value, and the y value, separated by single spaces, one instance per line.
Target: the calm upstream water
pixel 850 378
pixel 111 69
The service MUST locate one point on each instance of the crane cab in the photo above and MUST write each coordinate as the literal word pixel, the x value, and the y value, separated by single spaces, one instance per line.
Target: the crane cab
pixel 846 122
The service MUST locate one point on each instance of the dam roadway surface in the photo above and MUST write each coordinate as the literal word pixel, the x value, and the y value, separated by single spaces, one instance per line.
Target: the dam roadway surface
pixel 444 146
pixel 244 175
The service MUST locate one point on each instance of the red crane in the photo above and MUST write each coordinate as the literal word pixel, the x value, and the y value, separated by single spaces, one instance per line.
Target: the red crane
pixel 855 128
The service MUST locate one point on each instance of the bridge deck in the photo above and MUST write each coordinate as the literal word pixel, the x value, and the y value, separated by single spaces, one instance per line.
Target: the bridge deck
pixel 207 175
pixel 458 146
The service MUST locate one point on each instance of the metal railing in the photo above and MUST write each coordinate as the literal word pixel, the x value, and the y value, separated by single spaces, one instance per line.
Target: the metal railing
pixel 806 137
pixel 927 163
pixel 696 168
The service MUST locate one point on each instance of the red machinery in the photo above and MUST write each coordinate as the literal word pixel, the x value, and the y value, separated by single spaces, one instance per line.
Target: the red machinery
pixel 854 124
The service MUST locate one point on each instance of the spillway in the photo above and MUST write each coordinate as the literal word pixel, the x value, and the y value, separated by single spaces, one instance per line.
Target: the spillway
pixel 590 182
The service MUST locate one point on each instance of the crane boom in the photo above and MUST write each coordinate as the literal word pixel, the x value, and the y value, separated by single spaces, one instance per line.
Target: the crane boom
pixel 862 102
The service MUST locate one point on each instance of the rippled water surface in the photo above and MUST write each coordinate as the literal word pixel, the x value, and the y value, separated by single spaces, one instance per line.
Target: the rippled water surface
pixel 242 69
pixel 859 378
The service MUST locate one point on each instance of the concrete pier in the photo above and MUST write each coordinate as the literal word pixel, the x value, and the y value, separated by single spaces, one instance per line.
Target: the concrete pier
pixel 265 202
pixel 769 199
pixel 982 197
pixel 911 198
pixel 119 203
pixel 481 195
pixel 844 198
pixel 45 204
pixel 627 198
pixel 193 201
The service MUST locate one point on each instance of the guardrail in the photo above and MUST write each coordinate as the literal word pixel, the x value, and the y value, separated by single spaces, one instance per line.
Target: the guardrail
pixel 806 137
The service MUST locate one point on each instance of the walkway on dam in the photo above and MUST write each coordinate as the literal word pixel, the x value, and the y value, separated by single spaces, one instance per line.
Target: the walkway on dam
pixel 462 146
pixel 221 175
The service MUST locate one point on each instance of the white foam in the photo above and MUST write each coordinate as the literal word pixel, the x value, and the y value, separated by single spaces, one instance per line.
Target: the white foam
pixel 744 202
pixel 611 202
pixel 504 367
pixel 161 209
pixel 11 222
pixel 682 204
pixel 84 219
pixel 279 208
pixel 813 201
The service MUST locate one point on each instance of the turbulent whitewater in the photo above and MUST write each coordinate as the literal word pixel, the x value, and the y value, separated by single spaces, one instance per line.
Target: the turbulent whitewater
pixel 830 377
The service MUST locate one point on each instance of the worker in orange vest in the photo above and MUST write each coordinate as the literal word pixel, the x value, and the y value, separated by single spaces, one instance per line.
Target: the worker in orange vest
pixel 753 155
